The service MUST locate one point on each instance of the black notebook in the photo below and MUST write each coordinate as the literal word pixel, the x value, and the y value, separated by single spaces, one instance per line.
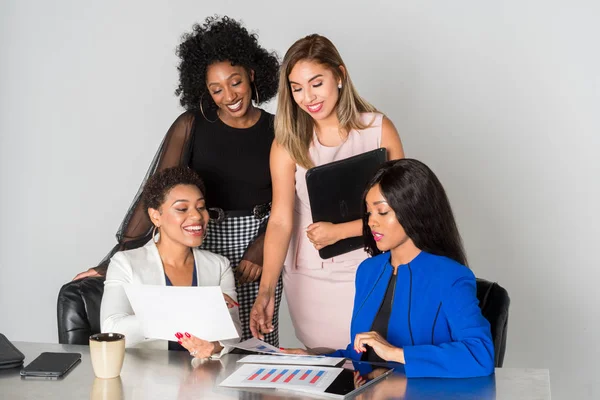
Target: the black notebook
pixel 10 356
pixel 335 193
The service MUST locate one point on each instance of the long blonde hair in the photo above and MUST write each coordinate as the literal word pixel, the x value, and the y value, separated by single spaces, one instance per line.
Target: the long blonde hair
pixel 294 127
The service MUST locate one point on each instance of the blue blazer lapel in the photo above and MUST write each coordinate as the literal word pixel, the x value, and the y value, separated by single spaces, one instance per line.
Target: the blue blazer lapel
pixel 374 291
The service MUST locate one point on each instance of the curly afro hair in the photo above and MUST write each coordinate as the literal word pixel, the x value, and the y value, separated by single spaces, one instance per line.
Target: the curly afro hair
pixel 158 185
pixel 222 39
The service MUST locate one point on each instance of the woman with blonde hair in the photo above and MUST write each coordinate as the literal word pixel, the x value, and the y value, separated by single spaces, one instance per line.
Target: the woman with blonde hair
pixel 320 118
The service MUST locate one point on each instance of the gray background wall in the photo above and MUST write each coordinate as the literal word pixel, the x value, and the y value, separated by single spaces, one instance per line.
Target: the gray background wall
pixel 501 99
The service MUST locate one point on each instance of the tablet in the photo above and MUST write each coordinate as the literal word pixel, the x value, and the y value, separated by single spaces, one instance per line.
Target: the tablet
pixel 335 193
pixel 354 379
pixel 51 364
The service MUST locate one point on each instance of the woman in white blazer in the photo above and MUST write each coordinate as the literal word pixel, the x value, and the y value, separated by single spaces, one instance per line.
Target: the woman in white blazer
pixel 174 199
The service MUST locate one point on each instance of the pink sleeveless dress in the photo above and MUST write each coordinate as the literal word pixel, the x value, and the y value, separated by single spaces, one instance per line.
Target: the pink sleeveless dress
pixel 320 293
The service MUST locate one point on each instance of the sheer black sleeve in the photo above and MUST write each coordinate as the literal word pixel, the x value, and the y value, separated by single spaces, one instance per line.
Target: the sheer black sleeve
pixel 136 228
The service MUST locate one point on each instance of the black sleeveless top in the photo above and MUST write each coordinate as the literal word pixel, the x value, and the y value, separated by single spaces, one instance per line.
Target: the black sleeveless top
pixel 234 163
pixel 382 320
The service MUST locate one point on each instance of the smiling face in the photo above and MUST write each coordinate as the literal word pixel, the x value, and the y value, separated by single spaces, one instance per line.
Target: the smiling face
pixel 314 88
pixel 385 228
pixel 230 86
pixel 182 217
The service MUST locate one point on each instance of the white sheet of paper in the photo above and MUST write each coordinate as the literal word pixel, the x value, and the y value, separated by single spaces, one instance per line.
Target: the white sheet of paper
pixel 165 310
pixel 254 344
pixel 291 359
pixel 286 377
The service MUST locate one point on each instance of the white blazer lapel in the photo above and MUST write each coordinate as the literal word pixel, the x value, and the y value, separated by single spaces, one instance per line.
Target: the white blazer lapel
pixel 151 267
pixel 209 271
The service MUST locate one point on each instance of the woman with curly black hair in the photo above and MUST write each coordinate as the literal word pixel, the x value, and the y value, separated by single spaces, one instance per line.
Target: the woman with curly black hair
pixel 223 74
pixel 175 202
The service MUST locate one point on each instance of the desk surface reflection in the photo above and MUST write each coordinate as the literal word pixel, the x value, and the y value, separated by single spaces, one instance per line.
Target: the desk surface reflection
pixel 154 374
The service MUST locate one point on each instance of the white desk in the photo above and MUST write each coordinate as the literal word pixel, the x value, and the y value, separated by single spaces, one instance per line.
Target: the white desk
pixel 154 374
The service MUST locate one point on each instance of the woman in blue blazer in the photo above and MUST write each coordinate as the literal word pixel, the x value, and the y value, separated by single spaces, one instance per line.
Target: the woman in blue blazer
pixel 415 300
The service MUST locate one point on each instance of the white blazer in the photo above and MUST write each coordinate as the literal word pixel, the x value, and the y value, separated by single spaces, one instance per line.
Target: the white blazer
pixel 143 266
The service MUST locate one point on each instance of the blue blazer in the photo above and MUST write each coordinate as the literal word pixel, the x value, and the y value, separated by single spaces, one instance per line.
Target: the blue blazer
pixel 435 316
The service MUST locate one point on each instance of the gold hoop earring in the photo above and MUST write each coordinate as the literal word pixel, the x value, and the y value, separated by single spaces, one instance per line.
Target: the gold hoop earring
pixel 154 234
pixel 256 91
pixel 202 110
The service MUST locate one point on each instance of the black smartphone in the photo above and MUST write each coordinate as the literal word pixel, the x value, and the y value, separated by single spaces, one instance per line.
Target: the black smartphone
pixel 51 364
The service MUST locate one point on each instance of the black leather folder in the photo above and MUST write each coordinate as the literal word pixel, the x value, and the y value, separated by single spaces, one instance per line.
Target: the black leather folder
pixel 335 193
pixel 10 356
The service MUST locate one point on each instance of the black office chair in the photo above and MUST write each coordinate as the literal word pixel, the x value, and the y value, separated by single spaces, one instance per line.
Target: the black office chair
pixel 494 303
pixel 78 310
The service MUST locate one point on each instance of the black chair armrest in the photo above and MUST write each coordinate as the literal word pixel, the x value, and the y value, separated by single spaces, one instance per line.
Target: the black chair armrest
pixel 78 310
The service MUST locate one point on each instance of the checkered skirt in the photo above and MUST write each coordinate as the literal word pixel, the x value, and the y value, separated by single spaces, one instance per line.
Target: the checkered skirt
pixel 230 238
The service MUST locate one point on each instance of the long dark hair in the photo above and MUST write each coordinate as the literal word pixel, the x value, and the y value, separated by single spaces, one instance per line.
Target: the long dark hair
pixel 419 200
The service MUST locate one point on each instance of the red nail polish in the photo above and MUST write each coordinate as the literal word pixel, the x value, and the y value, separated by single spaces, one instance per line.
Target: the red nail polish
pixel 179 335
pixel 187 334
pixel 179 341
pixel 281 348
pixel 237 304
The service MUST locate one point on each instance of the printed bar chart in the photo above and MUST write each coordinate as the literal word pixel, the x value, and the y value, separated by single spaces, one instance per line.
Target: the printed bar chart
pixel 271 372
pixel 292 375
pixel 316 377
pixel 279 375
pixel 289 377
pixel 257 373
pixel 264 349
pixel 303 377
pixel 306 374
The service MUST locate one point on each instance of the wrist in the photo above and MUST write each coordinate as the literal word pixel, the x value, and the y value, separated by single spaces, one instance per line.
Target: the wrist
pixel 266 289
pixel 399 355
pixel 217 347
pixel 340 232
pixel 268 280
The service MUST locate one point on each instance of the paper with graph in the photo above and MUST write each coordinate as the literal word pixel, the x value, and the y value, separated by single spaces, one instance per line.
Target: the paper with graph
pixel 291 359
pixel 285 377
pixel 259 346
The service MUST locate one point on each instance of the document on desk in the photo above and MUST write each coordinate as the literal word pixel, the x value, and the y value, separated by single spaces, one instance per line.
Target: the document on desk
pixel 291 359
pixel 165 310
pixel 287 377
pixel 254 344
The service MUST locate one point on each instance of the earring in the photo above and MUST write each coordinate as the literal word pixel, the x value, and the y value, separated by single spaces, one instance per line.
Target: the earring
pixel 202 109
pixel 339 85
pixel 256 91
pixel 154 234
